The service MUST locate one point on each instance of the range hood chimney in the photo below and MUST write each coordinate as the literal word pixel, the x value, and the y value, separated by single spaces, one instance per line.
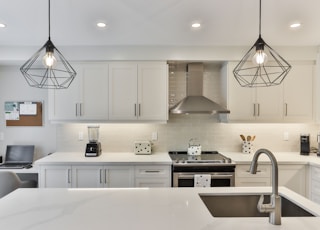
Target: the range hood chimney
pixel 195 102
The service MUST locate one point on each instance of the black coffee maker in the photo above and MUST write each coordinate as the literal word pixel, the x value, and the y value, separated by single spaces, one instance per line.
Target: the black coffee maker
pixel 93 148
pixel 304 144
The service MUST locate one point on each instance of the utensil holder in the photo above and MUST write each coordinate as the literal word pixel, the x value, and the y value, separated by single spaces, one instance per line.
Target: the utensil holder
pixel 247 147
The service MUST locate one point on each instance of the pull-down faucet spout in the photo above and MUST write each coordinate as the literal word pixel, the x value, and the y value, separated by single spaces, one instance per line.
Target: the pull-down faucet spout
pixel 274 207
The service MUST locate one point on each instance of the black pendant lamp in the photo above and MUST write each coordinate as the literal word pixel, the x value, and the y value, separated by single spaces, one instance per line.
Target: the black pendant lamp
pixel 47 68
pixel 261 66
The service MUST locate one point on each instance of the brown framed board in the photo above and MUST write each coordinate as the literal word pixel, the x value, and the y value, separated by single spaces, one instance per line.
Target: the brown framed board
pixel 23 113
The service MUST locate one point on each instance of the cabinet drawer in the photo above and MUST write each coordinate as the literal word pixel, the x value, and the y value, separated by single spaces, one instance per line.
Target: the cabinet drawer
pixel 243 171
pixel 152 171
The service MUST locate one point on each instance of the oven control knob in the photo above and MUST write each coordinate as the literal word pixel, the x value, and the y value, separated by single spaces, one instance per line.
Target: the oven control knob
pixel 227 160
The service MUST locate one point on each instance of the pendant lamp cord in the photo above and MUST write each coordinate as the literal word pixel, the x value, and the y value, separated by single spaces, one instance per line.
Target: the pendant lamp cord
pixel 259 19
pixel 49 19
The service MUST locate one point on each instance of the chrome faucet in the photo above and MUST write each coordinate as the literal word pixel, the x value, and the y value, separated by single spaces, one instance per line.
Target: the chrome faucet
pixel 274 207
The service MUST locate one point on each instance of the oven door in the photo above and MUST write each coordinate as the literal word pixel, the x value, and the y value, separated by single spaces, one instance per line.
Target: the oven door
pixel 218 179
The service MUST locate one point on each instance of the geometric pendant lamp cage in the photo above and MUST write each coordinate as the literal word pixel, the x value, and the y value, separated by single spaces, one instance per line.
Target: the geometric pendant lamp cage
pixel 48 68
pixel 261 66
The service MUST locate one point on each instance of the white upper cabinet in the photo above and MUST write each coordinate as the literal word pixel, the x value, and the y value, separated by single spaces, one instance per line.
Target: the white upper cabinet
pixel 298 93
pixel 138 91
pixel 86 98
pixel 291 101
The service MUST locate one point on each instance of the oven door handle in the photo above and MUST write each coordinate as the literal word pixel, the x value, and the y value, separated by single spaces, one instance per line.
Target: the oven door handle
pixel 213 176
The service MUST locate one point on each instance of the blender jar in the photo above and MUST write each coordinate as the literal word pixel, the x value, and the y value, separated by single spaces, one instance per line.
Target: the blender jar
pixel 93 133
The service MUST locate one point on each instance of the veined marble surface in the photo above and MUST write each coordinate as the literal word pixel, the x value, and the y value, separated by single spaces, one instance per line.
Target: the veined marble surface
pixel 136 209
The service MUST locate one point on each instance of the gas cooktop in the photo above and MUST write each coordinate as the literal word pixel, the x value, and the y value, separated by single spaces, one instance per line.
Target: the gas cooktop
pixel 206 157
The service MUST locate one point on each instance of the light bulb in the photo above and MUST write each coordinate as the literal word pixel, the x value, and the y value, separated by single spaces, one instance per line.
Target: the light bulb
pixel 49 60
pixel 260 57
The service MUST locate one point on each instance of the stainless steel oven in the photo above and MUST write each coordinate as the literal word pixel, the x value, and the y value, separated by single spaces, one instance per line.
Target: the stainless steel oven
pixel 213 165
pixel 218 179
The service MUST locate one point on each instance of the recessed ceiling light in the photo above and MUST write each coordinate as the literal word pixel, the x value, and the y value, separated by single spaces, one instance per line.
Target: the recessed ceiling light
pixel 101 24
pixel 295 25
pixel 196 25
pixel 2 25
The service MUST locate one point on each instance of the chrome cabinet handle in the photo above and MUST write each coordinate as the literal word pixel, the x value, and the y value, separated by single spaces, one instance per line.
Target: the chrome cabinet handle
pixel 285 109
pixel 69 176
pixel 80 109
pixel 105 176
pixel 139 109
pixel 258 109
pixel 152 171
pixel 101 171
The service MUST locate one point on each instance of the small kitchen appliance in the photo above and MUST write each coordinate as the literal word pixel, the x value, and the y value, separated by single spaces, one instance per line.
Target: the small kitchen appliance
pixel 142 147
pixel 304 144
pixel 93 148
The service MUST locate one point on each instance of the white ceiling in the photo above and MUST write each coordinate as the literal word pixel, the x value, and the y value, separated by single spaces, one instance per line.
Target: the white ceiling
pixel 159 22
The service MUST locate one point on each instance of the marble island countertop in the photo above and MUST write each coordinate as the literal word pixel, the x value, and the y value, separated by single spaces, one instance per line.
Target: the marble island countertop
pixel 136 209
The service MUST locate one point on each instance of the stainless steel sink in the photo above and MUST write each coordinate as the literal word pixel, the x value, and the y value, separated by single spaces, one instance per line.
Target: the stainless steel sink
pixel 246 206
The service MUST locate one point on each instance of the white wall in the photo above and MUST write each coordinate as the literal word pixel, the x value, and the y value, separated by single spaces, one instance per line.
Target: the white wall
pixel 13 87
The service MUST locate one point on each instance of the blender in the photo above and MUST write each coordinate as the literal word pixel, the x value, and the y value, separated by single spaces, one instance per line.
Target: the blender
pixel 93 148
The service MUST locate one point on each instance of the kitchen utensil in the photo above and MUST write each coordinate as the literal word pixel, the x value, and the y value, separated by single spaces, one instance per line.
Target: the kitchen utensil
pixel 242 137
pixel 254 137
pixel 248 138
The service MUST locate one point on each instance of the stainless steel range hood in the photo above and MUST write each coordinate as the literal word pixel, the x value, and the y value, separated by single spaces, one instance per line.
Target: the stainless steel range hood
pixel 195 102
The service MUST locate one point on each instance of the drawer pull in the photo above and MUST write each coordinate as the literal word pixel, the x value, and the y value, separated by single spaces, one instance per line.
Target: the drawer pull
pixel 152 171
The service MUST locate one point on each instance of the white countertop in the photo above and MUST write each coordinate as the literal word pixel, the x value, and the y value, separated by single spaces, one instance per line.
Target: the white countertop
pixel 135 209
pixel 282 157
pixel 112 158
pixel 163 158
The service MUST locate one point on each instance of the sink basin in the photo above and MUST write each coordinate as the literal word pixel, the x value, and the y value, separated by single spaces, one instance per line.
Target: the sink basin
pixel 246 206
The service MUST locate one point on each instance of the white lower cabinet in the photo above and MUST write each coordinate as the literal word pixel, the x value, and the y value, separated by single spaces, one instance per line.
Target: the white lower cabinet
pixel 152 176
pixel 104 176
pixel 315 184
pixel 243 178
pixel 293 176
pixel 100 176
pixel 55 176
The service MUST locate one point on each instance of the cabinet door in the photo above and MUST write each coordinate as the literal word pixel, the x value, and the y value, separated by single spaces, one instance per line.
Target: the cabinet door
pixel 269 103
pixel 119 176
pixel 293 177
pixel 55 177
pixel 298 93
pixel 64 103
pixel 88 176
pixel 315 184
pixel 241 100
pixel 85 99
pixel 152 91
pixel 244 178
pixel 123 86
pixel 94 96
